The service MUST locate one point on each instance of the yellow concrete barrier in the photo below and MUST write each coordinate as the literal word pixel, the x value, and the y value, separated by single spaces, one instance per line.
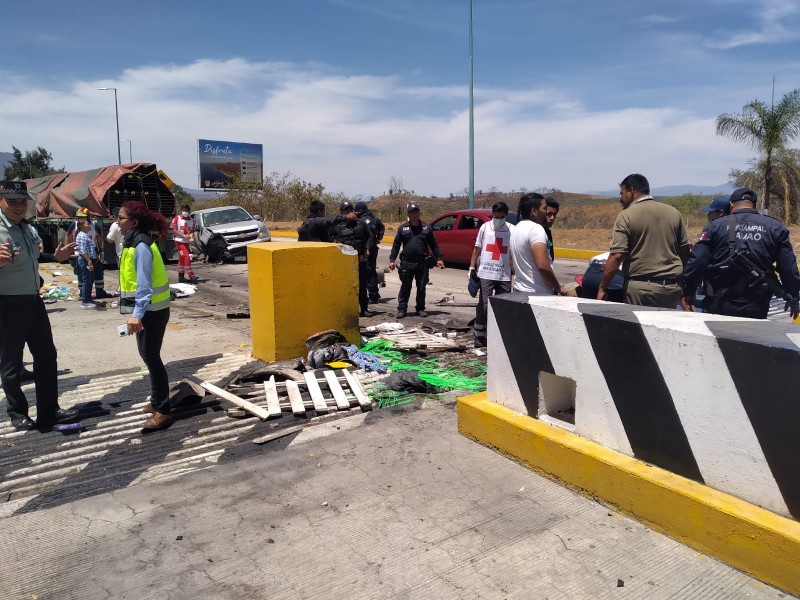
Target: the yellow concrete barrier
pixel 573 254
pixel 740 534
pixel 296 290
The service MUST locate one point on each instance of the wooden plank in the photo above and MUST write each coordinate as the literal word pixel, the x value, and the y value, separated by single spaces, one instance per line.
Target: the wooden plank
pixel 222 394
pixel 273 402
pixel 298 409
pixel 278 434
pixel 355 386
pixel 317 398
pixel 336 389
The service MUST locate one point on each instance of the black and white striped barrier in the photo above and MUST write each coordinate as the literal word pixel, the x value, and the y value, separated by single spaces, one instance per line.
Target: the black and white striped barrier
pixel 711 398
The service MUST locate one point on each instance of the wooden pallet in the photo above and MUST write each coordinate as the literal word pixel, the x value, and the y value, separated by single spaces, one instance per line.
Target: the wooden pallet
pixel 270 399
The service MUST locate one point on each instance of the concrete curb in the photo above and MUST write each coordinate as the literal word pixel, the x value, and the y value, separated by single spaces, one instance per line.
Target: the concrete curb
pixel 733 531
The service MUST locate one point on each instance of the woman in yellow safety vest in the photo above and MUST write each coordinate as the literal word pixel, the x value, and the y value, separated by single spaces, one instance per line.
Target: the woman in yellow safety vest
pixel 144 296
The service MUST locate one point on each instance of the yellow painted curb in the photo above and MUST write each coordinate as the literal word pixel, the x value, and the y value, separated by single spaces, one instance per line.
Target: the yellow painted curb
pixel 569 253
pixel 574 254
pixel 747 537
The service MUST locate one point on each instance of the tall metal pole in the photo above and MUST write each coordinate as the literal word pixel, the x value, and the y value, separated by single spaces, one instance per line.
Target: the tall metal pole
pixel 471 121
pixel 116 113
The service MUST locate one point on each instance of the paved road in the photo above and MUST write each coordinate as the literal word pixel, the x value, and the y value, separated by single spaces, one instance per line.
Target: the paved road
pixel 394 504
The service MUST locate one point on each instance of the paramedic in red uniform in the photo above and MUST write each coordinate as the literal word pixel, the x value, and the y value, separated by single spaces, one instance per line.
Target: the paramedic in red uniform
pixel 181 227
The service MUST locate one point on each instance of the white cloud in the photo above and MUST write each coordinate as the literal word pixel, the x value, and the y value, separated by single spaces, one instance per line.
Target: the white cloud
pixel 352 132
pixel 657 19
pixel 772 14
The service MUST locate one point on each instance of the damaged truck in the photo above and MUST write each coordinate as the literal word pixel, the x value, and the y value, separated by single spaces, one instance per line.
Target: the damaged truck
pixel 57 198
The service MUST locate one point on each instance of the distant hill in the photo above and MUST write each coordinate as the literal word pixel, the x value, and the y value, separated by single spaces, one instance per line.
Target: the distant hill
pixel 680 190
pixel 5 158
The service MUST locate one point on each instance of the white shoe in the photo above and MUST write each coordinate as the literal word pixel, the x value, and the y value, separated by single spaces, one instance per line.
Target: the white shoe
pixel 88 305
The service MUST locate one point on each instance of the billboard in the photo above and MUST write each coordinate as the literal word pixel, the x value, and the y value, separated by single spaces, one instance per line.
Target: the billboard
pixel 219 161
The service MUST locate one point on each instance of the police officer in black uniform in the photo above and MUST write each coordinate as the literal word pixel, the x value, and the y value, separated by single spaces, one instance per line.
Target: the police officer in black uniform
pixel 731 290
pixel 23 318
pixel 377 229
pixel 356 234
pixel 316 226
pixel 416 238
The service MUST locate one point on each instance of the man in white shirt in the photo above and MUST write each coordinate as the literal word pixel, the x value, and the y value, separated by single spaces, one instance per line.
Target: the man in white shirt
pixel 114 235
pixel 533 268
pixel 493 261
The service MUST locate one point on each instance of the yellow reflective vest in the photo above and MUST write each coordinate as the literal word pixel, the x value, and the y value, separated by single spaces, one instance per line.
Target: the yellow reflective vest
pixel 127 279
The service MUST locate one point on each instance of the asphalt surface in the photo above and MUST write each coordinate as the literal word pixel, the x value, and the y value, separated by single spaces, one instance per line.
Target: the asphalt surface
pixel 388 504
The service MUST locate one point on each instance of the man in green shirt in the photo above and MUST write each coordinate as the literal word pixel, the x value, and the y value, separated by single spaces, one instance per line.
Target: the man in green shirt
pixel 649 240
pixel 23 318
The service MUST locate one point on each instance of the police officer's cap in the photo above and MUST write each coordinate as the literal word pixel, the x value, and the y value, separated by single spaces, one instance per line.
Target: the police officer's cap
pixel 743 194
pixel 361 205
pixel 718 203
pixel 345 206
pixel 413 207
pixel 14 190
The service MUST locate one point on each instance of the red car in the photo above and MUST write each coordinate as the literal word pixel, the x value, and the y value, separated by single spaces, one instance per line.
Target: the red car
pixel 456 232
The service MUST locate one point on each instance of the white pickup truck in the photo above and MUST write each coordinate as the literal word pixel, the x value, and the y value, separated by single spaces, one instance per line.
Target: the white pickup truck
pixel 226 231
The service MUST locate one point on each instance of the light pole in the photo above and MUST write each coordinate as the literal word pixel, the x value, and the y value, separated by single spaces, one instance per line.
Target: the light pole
pixel 130 150
pixel 471 121
pixel 116 113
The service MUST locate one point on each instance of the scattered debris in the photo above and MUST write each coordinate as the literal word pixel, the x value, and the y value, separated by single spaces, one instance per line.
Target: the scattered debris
pixel 385 327
pixel 237 315
pixel 416 339
pixel 220 393
pixel 182 290
pixel 620 583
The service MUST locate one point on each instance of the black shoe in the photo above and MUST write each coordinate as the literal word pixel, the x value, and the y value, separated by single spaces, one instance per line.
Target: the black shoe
pixel 192 279
pixel 366 313
pixel 374 299
pixel 480 343
pixel 102 294
pixel 22 422
pixel 62 416
pixel 422 313
pixel 181 278
pixel 401 314
pixel 26 375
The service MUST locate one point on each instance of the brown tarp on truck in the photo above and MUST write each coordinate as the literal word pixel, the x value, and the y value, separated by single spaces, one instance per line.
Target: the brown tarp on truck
pixel 61 195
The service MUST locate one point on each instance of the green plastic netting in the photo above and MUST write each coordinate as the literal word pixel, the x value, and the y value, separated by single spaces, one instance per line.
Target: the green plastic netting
pixel 462 374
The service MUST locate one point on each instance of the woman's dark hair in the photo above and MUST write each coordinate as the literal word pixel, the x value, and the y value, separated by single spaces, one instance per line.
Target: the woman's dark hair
pixel 148 220
pixel 186 206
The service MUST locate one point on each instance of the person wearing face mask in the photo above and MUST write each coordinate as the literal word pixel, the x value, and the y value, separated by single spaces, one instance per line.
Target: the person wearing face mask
pixel 493 262
pixel 533 267
pixel 181 227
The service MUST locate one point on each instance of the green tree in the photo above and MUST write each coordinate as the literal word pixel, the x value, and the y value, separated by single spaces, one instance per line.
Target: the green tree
pixel 181 196
pixel 30 164
pixel 766 129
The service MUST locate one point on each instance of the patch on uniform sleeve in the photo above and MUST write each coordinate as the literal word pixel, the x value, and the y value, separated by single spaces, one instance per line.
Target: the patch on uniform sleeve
pixel 704 235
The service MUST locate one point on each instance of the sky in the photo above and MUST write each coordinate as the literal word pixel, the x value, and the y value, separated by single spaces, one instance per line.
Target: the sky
pixel 573 94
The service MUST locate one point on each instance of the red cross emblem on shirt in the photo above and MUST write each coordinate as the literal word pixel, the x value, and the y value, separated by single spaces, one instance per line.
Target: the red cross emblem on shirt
pixel 497 249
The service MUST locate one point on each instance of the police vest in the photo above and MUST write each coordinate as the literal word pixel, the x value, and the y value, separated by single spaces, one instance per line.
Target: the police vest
pixel 127 280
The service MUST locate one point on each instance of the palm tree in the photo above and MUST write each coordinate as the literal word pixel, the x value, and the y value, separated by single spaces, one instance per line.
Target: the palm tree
pixel 766 129
pixel 785 171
